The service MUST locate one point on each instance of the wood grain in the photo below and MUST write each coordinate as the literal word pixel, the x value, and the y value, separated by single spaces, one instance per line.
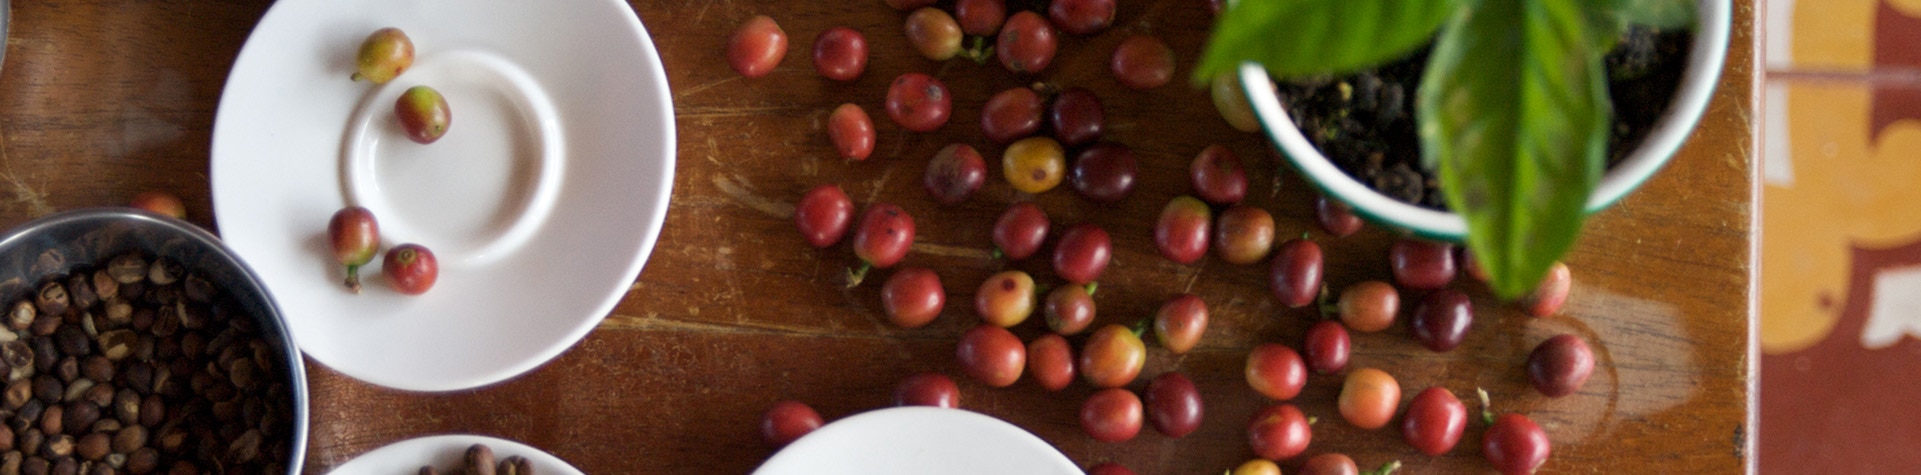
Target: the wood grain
pixel 107 98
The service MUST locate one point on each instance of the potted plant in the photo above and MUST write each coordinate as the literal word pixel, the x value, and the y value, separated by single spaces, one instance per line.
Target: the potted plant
pixel 1512 109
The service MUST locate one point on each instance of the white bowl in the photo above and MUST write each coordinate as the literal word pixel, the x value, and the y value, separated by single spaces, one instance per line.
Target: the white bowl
pixel 1690 100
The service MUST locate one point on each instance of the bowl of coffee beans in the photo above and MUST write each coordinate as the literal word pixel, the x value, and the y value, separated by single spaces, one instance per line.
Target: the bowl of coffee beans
pixel 136 343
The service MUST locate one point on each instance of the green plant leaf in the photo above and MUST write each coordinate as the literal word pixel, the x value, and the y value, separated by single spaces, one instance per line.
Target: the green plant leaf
pixel 1514 111
pixel 1307 37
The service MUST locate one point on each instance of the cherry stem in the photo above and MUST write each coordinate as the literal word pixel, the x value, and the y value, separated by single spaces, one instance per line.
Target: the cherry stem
pixel 1487 410
pixel 353 278
pixel 1091 287
pixel 1330 309
pixel 1386 468
pixel 1311 420
pixel 980 52
pixel 1141 326
pixel 997 254
pixel 857 274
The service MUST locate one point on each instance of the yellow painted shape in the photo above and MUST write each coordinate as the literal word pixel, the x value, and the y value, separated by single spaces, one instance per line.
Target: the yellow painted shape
pixel 1846 193
pixel 1834 35
pixel 1907 7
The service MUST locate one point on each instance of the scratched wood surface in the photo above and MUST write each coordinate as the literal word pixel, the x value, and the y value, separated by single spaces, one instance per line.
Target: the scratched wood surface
pixel 102 99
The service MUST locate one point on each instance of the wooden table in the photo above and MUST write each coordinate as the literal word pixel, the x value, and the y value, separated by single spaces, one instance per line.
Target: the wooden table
pixel 100 100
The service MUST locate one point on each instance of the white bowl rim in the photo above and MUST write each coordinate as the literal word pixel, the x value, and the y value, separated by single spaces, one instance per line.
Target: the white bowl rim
pixel 1698 81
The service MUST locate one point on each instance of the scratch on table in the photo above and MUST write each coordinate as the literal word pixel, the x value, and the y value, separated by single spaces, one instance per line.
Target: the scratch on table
pixel 655 322
pixel 923 248
pixel 711 112
pixel 703 87
pixel 35 200
pixel 747 197
pixel 879 184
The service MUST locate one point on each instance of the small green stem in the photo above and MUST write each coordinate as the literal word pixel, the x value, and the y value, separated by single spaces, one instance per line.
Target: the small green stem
pixel 979 52
pixel 857 274
pixel 1385 469
pixel 1330 309
pixel 1091 287
pixel 1487 410
pixel 353 278
pixel 997 254
pixel 1141 326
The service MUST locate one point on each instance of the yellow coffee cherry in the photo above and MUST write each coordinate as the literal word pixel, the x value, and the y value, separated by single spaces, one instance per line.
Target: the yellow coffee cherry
pixel 1034 164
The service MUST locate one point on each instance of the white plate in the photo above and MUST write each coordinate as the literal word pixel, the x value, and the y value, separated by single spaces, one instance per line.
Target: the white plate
pixel 921 440
pixel 445 452
pixel 541 202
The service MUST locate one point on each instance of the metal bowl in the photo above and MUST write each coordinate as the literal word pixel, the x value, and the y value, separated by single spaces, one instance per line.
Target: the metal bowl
pixel 57 244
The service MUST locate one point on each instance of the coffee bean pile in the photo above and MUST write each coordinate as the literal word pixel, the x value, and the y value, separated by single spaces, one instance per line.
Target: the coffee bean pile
pixel 139 366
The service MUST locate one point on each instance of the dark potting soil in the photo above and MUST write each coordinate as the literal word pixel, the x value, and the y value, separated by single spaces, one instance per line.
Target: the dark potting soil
pixel 1364 122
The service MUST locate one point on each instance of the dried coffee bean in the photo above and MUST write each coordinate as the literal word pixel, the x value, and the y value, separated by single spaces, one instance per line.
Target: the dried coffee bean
pixel 94 446
pixel 22 316
pixel 480 460
pixel 139 377
pixel 53 421
pixel 193 345
pixel 73 341
pixel 191 317
pixel 244 448
pixel 32 441
pixel 152 411
pixel 52 299
pixel 126 406
pixel 45 354
pixel 99 395
pixel 172 439
pixel 81 416
pixel 130 439
pixel 243 374
pixel 198 289
pixel 106 425
pixel 18 392
pixel 10 462
pixel 36 466
pixel 67 369
pixel 116 460
pixel 58 446
pixel 28 417
pixel 66 466
pixel 143 461
pixel 46 325
pixel 128 268
pixel 516 465
pixel 104 286
pixel 165 272
pixel 47 389
pixel 98 468
pixel 6 440
pixel 134 292
pixel 119 313
pixel 97 368
pixel 226 411
pixel 80 292
pixel 166 322
pixel 140 318
pixel 77 389
pixel 19 358
pixel 116 345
